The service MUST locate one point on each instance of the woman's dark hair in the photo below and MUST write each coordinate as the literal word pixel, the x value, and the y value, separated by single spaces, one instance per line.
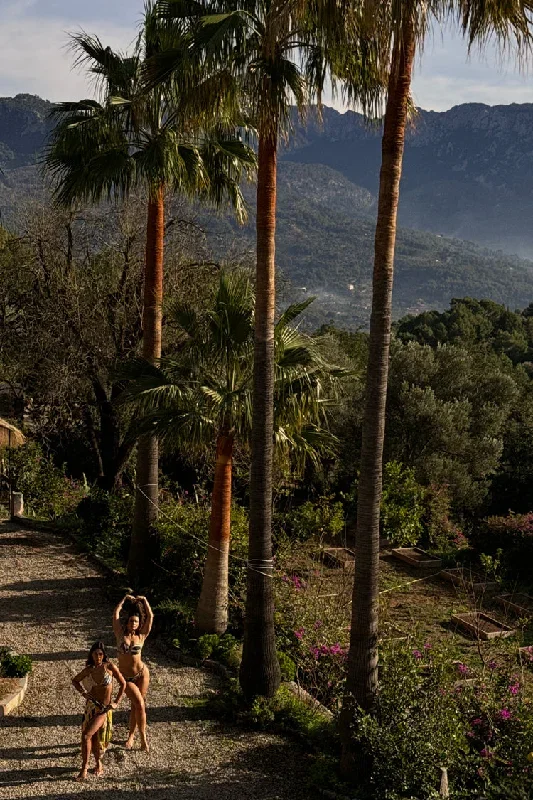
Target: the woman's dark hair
pixel 96 646
pixel 133 610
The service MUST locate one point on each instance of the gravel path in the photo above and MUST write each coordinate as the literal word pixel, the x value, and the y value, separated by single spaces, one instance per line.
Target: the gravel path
pixel 52 607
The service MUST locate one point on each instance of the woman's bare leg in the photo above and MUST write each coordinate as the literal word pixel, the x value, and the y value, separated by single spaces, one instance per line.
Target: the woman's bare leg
pixel 143 684
pixel 85 756
pixel 133 725
pixel 137 714
pixel 97 753
pixel 86 744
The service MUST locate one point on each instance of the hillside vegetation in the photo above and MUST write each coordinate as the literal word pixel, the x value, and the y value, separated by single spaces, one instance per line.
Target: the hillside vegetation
pixel 326 212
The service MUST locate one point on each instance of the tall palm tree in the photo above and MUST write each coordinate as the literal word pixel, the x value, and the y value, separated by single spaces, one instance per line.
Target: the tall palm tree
pixel 275 49
pixel 206 396
pixel 405 24
pixel 179 137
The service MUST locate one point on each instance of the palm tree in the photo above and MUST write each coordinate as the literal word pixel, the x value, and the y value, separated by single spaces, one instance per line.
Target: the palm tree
pixel 178 137
pixel 406 24
pixel 275 49
pixel 206 396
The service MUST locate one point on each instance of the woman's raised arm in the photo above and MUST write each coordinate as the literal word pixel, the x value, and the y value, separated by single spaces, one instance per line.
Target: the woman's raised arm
pixel 149 616
pixel 117 627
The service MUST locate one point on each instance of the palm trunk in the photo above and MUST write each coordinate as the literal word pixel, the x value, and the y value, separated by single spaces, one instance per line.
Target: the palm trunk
pixel 212 612
pixel 260 673
pixel 362 675
pixel 143 549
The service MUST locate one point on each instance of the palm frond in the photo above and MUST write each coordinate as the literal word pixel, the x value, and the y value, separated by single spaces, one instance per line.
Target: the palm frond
pixel 293 312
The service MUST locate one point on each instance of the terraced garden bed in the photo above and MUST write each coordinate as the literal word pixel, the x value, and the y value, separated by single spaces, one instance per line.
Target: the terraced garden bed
pixel 482 626
pixel 517 603
pixel 339 557
pixel 474 581
pixel 416 557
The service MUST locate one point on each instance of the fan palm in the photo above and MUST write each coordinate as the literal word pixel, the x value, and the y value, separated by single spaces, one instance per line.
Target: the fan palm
pixel 403 26
pixel 206 396
pixel 179 138
pixel 276 50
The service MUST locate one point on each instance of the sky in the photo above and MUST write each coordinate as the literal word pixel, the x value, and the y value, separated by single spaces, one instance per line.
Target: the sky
pixel 34 55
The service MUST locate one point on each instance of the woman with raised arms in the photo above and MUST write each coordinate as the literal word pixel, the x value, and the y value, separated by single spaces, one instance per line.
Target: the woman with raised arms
pixel 130 642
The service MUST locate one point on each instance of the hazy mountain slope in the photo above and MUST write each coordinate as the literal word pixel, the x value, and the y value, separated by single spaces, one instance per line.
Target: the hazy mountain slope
pixel 325 242
pixel 326 215
pixel 23 129
pixel 468 172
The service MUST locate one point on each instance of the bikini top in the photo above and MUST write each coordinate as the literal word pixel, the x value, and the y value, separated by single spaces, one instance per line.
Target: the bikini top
pixel 106 680
pixel 131 649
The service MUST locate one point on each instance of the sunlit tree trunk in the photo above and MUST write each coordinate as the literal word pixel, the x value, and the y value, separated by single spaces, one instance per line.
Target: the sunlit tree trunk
pixel 144 543
pixel 212 611
pixel 362 676
pixel 260 673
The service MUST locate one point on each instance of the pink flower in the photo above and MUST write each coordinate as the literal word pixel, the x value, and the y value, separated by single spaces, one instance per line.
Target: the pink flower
pixel 492 665
pixel 463 669
pixel 417 654
pixel 470 734
pixel 477 721
pixel 299 633
pixel 514 688
pixel 427 646
pixel 485 753
pixel 504 714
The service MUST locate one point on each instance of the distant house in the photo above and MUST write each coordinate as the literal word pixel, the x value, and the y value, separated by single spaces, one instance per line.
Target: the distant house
pixel 9 435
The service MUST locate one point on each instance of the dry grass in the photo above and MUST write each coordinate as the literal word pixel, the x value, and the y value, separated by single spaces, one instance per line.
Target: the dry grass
pixel 413 606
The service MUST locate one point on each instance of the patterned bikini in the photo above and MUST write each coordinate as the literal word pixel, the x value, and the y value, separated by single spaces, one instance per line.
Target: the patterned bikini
pixel 132 650
pixel 94 707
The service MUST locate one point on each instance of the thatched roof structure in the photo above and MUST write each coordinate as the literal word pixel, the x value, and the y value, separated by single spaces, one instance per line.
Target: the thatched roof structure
pixel 9 435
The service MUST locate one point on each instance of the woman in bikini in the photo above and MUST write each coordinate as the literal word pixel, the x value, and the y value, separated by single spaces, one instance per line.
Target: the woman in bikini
pixel 130 641
pixel 97 723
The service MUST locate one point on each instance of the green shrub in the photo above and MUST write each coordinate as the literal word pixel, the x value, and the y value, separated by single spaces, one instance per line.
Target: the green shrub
pixel 402 505
pixel 323 518
pixel 287 666
pixel 444 535
pixel 293 715
pixel 310 638
pixel 106 519
pixel 174 621
pixel 284 712
pixel 206 644
pixel 184 528
pixel 47 491
pixel 424 720
pixel 513 536
pixel 221 648
pixel 14 666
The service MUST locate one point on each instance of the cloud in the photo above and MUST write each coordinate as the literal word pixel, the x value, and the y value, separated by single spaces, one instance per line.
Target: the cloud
pixel 34 55
pixel 446 76
pixel 439 92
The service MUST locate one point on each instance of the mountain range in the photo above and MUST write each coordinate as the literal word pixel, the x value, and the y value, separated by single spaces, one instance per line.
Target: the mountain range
pixel 466 202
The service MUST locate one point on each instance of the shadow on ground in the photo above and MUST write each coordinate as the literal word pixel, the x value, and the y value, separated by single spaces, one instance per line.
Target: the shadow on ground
pixel 174 713
pixel 259 774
